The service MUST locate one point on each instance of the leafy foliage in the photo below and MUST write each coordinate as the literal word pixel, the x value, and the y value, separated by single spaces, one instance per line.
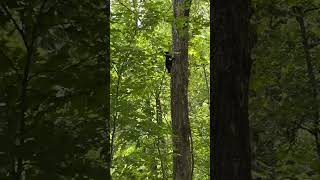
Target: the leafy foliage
pixel 64 119
pixel 65 133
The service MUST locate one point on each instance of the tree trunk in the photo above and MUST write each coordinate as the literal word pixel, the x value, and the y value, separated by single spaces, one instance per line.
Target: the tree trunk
pixel 107 105
pixel 160 140
pixel 182 159
pixel 230 67
pixel 312 80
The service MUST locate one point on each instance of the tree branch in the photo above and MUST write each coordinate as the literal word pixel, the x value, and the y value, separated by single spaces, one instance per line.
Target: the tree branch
pixel 311 9
pixel 18 28
pixel 308 130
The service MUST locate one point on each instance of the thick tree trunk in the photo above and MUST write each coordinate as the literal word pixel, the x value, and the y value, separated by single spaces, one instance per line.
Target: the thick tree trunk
pixel 107 105
pixel 230 68
pixel 182 159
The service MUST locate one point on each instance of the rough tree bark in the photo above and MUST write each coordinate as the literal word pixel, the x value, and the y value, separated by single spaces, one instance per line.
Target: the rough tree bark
pixel 230 68
pixel 107 105
pixel 182 154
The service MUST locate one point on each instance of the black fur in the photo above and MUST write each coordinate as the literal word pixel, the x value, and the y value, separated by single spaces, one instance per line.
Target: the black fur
pixel 169 60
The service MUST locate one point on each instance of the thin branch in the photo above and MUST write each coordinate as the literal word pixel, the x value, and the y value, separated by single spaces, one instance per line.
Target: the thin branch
pixel 125 6
pixel 206 79
pixel 308 130
pixel 35 27
pixel 311 9
pixel 18 28
pixel 115 116
pixel 121 3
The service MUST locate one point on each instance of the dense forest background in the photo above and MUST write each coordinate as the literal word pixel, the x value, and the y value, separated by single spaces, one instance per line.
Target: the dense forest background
pixel 52 79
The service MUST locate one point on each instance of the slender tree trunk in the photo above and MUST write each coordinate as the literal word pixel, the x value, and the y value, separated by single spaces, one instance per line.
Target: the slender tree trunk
pixel 311 76
pixel 20 126
pixel 115 116
pixel 21 122
pixel 182 158
pixel 160 140
pixel 11 135
pixel 28 33
pixel 230 67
